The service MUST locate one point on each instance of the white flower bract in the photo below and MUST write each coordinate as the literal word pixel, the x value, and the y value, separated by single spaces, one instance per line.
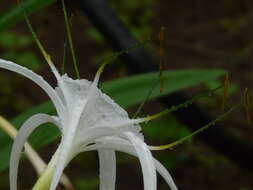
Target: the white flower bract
pixel 88 120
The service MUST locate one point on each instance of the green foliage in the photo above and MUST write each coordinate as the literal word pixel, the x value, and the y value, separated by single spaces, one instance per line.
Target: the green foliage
pixel 5 155
pixel 127 92
pixel 233 26
pixel 13 44
pixel 165 128
pixel 15 48
pixel 10 40
pixel 232 90
pixel 216 102
pixel 86 183
pixel 95 35
pixel 137 15
pixel 16 13
pixel 133 90
pixel 29 60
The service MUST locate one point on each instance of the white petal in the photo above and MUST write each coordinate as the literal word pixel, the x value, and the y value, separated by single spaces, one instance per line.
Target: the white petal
pixel 37 79
pixel 66 93
pixel 78 89
pixel 165 174
pixel 92 134
pixel 60 81
pixel 65 155
pixel 111 127
pixel 27 128
pixel 99 108
pixel 68 149
pixel 146 160
pixel 123 146
pixel 107 168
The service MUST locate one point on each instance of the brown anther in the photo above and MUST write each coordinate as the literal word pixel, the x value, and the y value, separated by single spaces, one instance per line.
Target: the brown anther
pixel 71 18
pixel 161 37
pixel 247 104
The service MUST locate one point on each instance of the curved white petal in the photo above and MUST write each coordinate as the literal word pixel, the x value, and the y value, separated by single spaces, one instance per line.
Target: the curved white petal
pixel 85 109
pixel 123 146
pixel 27 128
pixel 61 83
pixel 146 160
pixel 165 174
pixel 37 79
pixel 72 92
pixel 107 169
pixel 110 127
pixel 92 134
pixel 71 147
pixel 65 154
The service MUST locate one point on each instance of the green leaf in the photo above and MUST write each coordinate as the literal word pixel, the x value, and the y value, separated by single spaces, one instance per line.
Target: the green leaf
pixel 46 107
pixel 10 40
pixel 95 35
pixel 127 92
pixel 91 183
pixel 167 128
pixel 16 13
pixel 29 60
pixel 130 91
pixel 5 156
pixel 7 39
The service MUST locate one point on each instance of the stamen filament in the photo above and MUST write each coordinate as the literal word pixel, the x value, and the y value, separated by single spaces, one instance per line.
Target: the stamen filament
pixel 185 104
pixel 35 37
pixel 182 140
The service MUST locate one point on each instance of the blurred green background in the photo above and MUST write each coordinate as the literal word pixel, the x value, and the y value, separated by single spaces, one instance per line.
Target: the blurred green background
pixel 199 35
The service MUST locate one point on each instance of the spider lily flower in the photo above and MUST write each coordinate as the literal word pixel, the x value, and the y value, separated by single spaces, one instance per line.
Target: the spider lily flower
pixel 88 120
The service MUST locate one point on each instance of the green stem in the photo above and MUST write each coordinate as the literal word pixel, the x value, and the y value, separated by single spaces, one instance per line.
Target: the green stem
pixel 45 179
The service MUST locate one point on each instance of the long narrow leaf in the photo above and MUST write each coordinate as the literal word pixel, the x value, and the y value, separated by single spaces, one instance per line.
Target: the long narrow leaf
pixel 130 91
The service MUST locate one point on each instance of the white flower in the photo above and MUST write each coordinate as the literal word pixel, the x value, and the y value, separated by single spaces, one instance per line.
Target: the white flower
pixel 88 120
